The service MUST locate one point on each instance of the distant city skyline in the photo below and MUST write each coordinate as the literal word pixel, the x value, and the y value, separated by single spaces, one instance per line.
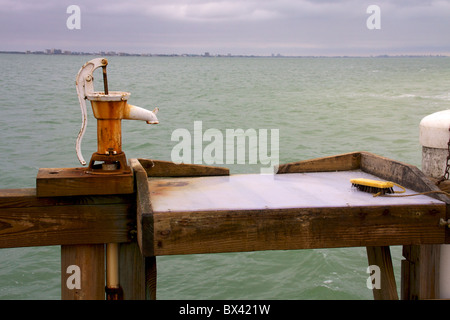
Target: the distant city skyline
pixel 222 27
pixel 55 51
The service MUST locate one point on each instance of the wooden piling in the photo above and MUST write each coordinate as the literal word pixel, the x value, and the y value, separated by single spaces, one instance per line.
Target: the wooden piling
pixel 381 256
pixel 132 271
pixel 83 272
pixel 420 272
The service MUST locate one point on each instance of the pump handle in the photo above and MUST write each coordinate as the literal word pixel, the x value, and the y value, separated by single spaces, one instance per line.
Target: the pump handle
pixel 85 85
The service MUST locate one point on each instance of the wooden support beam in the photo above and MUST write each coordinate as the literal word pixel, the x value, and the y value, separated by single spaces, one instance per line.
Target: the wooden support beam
pixel 420 272
pixel 137 273
pixel 284 229
pixel 144 217
pixel 144 214
pixel 381 257
pixel 150 278
pixel 27 220
pixel 83 272
pixel 131 271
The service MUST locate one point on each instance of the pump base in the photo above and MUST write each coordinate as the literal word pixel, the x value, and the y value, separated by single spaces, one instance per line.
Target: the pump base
pixel 118 163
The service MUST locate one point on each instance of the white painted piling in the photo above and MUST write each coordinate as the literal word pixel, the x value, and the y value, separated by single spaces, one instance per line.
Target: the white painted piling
pixel 434 137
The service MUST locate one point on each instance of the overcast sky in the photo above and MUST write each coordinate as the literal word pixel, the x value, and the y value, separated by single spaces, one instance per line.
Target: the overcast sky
pixel 261 27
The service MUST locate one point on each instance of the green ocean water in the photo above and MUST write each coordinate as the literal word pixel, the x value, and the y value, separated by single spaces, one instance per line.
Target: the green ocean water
pixel 321 107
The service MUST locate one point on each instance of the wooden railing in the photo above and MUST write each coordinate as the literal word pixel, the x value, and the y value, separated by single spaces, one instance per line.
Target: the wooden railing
pixel 82 217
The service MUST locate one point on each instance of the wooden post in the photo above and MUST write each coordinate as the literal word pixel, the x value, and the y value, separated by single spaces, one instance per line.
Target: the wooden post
pixel 150 278
pixel 131 271
pixel 83 272
pixel 137 273
pixel 146 258
pixel 381 257
pixel 420 272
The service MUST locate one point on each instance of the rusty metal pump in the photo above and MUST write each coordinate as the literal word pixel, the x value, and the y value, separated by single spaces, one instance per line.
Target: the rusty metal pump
pixel 109 108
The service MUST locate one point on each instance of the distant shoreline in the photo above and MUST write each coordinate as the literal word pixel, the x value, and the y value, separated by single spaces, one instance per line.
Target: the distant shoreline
pixel 206 55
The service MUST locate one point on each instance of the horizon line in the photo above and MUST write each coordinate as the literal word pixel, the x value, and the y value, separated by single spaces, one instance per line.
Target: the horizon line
pixel 207 54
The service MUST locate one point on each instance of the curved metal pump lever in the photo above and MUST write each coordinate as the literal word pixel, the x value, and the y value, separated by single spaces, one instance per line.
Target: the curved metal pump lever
pixel 85 85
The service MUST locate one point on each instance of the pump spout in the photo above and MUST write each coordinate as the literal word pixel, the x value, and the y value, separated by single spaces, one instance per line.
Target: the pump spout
pixel 137 113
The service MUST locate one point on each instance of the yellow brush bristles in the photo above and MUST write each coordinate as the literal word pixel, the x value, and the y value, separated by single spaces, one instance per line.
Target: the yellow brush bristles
pixel 372 183
pixel 375 186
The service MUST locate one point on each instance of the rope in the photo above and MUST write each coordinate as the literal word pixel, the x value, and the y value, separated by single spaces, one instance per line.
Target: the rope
pixel 410 195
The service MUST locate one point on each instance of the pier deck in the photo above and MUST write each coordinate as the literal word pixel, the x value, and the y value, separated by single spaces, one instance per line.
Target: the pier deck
pixel 287 211
pixel 189 209
pixel 169 209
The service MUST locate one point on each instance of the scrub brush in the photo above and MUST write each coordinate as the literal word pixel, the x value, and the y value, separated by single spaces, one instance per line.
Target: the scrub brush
pixel 376 187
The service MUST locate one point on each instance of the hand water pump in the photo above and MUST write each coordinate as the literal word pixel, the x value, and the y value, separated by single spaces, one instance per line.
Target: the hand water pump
pixel 109 108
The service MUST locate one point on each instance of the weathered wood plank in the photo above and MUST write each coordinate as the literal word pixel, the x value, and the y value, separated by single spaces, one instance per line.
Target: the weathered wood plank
pixel 305 228
pixel 404 174
pixel 53 182
pixel 407 175
pixel 381 257
pixel 26 220
pixel 343 162
pixel 159 168
pixel 26 198
pixel 256 191
pixel 145 231
pixel 144 211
